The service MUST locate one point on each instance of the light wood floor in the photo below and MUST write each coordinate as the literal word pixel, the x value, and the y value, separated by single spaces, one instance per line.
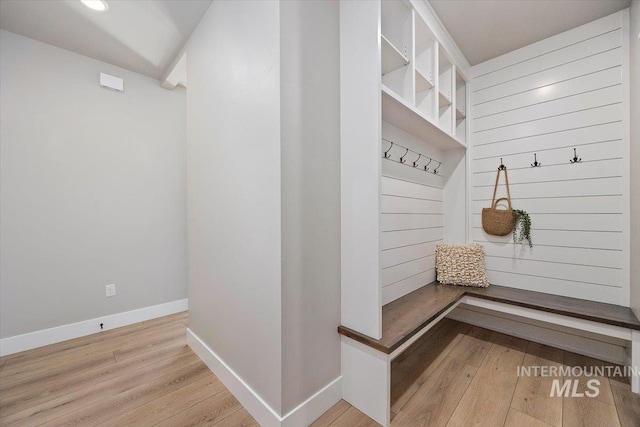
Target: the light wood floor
pixel 459 375
pixel 145 375
pixel 139 375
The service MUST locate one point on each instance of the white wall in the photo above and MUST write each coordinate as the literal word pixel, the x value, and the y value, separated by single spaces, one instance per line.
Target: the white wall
pixel 360 107
pixel 92 187
pixel 411 215
pixel 634 72
pixel 563 92
pixel 234 213
pixel 310 162
pixel 264 194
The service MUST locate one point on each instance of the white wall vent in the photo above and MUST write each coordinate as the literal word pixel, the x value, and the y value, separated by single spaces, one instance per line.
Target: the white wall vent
pixel 111 82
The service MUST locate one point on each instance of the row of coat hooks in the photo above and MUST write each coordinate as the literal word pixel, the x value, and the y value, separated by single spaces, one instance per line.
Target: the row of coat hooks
pixel 537 164
pixel 417 163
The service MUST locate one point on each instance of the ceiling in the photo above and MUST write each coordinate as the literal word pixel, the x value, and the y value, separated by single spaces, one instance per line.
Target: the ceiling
pixel 145 35
pixel 485 29
pixel 142 36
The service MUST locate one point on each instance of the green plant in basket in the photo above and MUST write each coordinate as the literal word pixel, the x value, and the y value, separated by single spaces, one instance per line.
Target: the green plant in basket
pixel 521 227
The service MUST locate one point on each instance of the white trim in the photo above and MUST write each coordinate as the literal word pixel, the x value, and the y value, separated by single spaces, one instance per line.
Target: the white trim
pixel 570 322
pixel 312 408
pixel 422 331
pixel 252 402
pixel 626 165
pixel 49 336
pixel 177 75
pixel 635 362
pixel 304 414
pixel 520 328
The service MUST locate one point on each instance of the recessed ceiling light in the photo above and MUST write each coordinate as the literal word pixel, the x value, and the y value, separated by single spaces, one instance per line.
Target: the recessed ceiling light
pixel 99 5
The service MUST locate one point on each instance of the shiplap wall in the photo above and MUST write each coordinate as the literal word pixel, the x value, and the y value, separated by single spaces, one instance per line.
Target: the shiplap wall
pixel 411 219
pixel 547 98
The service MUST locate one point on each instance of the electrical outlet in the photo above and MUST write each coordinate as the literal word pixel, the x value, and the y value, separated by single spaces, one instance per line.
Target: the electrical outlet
pixel 110 290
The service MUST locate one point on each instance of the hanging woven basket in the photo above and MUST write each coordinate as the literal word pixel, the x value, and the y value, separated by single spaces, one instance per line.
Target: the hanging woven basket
pixel 498 222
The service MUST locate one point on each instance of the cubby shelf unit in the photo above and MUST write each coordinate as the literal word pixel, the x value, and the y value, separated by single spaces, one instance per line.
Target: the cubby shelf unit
pixel 400 83
pixel 400 114
pixel 403 98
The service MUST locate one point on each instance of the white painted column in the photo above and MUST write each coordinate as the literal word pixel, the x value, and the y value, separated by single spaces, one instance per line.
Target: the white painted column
pixel 366 380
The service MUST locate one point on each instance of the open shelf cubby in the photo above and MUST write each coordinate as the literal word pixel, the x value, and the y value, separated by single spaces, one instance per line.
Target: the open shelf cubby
pixel 445 91
pixel 396 42
pixel 424 82
pixel 426 58
pixel 392 58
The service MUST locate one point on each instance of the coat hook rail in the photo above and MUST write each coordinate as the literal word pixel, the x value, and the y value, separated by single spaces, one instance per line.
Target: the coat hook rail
pixel 415 164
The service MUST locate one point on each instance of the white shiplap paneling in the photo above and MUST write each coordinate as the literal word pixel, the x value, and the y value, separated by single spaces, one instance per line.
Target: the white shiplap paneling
pixel 553 58
pixel 411 220
pixel 566 72
pixel 562 93
pixel 550 92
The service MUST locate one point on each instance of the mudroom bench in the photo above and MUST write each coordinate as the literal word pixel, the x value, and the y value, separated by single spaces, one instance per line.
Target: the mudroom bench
pixel 366 362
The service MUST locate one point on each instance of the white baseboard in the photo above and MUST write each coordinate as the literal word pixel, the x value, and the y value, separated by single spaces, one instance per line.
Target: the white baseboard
pixel 303 415
pixel 312 408
pixel 44 337
pixel 570 340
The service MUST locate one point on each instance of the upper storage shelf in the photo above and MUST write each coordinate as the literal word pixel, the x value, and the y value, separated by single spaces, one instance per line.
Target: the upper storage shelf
pixel 422 89
pixel 396 111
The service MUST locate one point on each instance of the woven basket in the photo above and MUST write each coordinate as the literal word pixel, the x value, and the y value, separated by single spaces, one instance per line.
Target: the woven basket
pixel 498 222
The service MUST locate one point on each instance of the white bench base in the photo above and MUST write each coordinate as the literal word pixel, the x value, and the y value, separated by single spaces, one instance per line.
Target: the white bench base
pixel 366 372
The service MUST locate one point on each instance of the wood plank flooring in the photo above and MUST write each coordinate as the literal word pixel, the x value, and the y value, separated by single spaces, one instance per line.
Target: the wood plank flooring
pixel 145 375
pixel 139 375
pixel 462 375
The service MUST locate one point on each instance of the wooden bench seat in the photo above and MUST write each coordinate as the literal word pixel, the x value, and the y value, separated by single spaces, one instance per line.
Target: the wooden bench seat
pixel 406 316
pixel 366 362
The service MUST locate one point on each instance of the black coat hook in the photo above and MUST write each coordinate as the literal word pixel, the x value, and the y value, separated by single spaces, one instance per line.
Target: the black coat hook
pixel 535 163
pixel 575 157
pixel 386 153
pixel 502 166
pixel 403 156
pixel 414 163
